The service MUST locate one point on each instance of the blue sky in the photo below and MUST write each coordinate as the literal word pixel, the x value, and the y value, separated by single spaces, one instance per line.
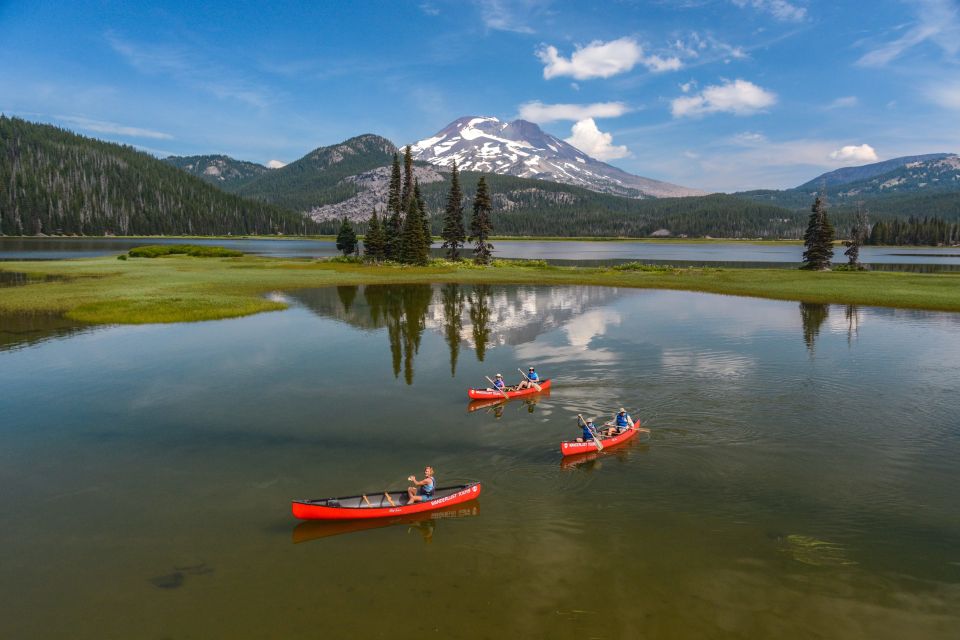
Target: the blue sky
pixel 716 94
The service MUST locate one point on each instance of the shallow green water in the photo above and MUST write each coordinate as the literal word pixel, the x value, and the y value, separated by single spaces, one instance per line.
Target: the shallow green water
pixel 800 480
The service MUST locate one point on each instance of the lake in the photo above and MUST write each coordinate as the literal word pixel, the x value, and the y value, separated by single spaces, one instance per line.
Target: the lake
pixel 586 252
pixel 799 481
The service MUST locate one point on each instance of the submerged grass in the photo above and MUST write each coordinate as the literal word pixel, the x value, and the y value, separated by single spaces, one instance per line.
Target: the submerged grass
pixel 180 288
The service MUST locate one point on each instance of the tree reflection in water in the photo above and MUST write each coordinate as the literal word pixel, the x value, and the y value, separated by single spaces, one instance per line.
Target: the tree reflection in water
pixel 453 299
pixel 404 312
pixel 813 316
pixel 480 318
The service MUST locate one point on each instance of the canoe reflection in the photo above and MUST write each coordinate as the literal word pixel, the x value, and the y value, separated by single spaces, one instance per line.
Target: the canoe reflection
pixel 496 406
pixel 593 460
pixel 424 522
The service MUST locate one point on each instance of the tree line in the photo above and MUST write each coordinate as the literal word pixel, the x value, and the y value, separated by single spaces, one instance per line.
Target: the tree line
pixel 55 182
pixel 915 231
pixel 404 235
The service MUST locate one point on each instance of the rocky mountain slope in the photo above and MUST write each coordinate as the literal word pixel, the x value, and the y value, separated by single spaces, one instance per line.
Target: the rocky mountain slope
pixel 522 149
pixel 222 171
pixel 846 175
pixel 320 177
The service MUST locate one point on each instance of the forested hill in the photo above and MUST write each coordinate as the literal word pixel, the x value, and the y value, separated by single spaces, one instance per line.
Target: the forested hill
pixel 56 182
pixel 222 171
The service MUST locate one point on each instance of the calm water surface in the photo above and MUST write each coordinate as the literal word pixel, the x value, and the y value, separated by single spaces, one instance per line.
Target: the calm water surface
pixel 917 259
pixel 800 480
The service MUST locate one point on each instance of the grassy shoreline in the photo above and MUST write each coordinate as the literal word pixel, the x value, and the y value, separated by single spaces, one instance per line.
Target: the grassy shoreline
pixel 180 289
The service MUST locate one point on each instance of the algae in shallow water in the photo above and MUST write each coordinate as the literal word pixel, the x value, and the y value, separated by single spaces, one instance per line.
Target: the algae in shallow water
pixel 815 552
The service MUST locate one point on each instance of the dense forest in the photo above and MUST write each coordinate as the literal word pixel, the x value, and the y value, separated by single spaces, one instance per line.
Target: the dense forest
pixel 915 231
pixel 56 182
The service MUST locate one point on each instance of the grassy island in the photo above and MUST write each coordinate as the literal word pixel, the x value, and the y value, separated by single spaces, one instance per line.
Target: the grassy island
pixel 180 288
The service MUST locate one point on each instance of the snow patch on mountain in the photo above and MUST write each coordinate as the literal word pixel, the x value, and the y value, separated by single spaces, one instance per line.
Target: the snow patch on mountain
pixel 520 148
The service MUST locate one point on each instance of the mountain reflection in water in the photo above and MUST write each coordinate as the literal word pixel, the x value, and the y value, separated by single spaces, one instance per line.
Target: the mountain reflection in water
pixel 479 317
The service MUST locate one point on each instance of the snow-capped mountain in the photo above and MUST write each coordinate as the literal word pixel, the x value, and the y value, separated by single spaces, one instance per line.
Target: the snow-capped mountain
pixel 521 148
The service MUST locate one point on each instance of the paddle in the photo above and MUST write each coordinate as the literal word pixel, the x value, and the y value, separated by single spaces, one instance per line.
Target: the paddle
pixel 535 385
pixel 596 437
pixel 496 387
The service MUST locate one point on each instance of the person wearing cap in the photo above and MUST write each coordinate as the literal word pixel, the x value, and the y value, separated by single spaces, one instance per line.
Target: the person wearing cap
pixel 531 379
pixel 621 422
pixel 498 383
pixel 589 432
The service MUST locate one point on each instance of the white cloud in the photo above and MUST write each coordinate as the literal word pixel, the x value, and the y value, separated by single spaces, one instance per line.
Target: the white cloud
pixel 499 15
pixel 541 113
pixel 852 154
pixel 739 97
pixel 687 87
pixel 749 139
pixel 602 60
pixel 844 103
pixel 276 164
pixel 101 126
pixel 947 96
pixel 429 9
pixel 779 9
pixel 937 21
pixel 595 143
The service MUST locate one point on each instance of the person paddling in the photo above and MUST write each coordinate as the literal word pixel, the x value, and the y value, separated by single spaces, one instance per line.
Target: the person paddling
pixel 422 490
pixel 621 422
pixel 498 384
pixel 531 379
pixel 589 431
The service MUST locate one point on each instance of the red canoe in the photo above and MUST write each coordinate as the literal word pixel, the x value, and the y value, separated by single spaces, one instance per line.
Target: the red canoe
pixel 483 394
pixel 377 505
pixel 572 448
pixel 315 529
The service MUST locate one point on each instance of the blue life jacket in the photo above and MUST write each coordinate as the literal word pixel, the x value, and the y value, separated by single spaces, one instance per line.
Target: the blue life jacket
pixel 426 490
pixel 587 433
pixel 623 420
pixel 498 383
pixel 533 376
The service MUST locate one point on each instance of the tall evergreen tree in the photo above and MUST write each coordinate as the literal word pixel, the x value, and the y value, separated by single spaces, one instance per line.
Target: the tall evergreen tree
pixel 407 193
pixel 393 225
pixel 424 216
pixel 375 243
pixel 415 249
pixel 454 235
pixel 818 238
pixel 480 226
pixel 346 238
pixel 393 196
pixel 858 235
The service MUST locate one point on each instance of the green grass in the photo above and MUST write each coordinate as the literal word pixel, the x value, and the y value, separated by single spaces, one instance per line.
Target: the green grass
pixel 194 250
pixel 180 288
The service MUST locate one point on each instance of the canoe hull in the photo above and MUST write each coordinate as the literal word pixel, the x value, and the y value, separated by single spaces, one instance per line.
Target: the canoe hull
pixel 573 448
pixel 314 510
pixel 483 394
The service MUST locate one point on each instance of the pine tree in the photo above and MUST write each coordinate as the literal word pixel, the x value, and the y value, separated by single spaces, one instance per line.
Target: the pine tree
pixel 424 216
pixel 818 238
pixel 858 235
pixel 393 197
pixel 346 238
pixel 453 233
pixel 393 225
pixel 407 192
pixel 415 249
pixel 375 243
pixel 480 226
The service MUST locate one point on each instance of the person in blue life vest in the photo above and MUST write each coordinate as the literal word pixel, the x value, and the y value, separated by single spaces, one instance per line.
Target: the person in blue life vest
pixel 621 422
pixel 422 490
pixel 499 384
pixel 589 431
pixel 531 379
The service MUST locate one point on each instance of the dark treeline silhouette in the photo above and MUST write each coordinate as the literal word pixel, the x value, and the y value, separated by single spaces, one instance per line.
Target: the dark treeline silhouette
pixel 56 182
pixel 915 231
